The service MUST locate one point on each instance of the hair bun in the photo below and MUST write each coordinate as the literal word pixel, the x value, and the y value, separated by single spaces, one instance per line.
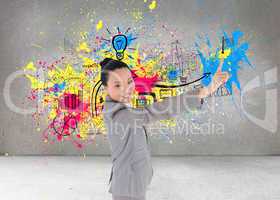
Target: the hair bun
pixel 105 61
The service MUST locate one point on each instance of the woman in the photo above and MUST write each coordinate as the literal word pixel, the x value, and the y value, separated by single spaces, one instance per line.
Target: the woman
pixel 130 148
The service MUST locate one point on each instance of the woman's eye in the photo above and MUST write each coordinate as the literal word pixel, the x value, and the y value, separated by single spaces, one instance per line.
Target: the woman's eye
pixel 117 85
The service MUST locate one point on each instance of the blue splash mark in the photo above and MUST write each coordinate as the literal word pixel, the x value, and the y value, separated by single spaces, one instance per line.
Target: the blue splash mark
pixel 173 74
pixel 231 63
pixel 59 87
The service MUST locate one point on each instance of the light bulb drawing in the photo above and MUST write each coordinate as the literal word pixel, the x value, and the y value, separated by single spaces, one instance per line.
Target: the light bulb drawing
pixel 119 43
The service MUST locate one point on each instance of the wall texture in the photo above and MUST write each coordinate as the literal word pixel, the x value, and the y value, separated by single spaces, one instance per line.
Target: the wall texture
pixel 26 23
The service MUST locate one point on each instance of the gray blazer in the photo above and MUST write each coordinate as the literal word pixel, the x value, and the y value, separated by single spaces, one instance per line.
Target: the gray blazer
pixel 129 143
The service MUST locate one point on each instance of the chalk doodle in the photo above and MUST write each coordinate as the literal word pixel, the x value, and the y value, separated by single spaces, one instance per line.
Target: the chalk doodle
pixel 69 87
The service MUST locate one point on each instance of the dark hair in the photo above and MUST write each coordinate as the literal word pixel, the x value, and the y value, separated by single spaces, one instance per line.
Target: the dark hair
pixel 108 64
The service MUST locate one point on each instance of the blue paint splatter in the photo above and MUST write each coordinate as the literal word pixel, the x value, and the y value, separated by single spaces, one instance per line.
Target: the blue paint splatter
pixel 231 63
pixel 59 87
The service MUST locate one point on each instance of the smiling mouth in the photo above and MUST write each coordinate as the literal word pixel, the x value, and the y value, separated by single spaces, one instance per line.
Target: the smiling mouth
pixel 126 97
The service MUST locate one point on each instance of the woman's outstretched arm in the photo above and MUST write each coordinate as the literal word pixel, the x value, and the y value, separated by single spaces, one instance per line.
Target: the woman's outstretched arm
pixel 171 106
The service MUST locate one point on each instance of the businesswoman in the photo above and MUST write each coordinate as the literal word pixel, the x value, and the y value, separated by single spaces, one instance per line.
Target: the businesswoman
pixel 132 171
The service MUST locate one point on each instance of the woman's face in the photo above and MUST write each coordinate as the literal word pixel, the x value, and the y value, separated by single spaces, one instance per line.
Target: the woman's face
pixel 120 85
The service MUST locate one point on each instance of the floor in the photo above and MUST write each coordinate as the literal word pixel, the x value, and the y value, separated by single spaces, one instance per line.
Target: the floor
pixel 175 178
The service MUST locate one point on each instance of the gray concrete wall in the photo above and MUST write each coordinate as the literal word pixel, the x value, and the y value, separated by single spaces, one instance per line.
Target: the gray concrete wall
pixel 21 21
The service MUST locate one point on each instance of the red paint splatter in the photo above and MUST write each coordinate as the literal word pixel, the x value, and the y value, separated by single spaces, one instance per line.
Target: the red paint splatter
pixel 144 84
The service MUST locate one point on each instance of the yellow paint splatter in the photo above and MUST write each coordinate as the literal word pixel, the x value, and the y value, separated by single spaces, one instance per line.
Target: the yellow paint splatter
pixel 51 73
pixel 153 5
pixel 225 54
pixel 30 66
pixel 99 124
pixel 83 47
pixel 87 61
pixel 52 114
pixel 99 25
pixel 84 128
pixel 35 84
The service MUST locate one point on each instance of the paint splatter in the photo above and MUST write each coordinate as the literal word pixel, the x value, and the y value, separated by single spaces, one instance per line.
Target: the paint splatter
pixel 64 87
pixel 99 25
pixel 153 5
pixel 234 55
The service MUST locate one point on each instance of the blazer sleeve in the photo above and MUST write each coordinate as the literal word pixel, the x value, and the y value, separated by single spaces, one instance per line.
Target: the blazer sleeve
pixel 160 110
